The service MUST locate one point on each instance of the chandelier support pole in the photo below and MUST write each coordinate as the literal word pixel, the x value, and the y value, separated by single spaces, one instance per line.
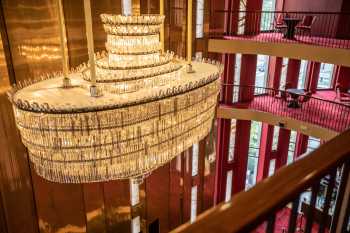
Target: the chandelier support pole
pixel 161 34
pixel 189 37
pixel 63 39
pixel 90 44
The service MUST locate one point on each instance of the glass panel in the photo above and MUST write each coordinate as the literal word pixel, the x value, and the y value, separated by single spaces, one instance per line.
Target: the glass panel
pixel 231 150
pixel 241 16
pixel 195 159
pixel 276 132
pixel 291 148
pixel 284 73
pixel 228 186
pixel 272 167
pixel 312 144
pixel 302 74
pixel 253 154
pixel 266 18
pixel 135 225
pixel 326 75
pixel 126 7
pixel 199 18
pixel 237 76
pixel 134 192
pixel 261 70
pixel 193 203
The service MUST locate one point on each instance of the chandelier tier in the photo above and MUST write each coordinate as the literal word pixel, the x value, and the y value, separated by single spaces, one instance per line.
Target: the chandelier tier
pixel 151 109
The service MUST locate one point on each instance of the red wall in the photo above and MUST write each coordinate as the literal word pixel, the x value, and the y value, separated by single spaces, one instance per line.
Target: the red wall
pixel 312 5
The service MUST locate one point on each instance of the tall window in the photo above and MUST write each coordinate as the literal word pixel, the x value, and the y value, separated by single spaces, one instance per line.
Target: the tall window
pixel 261 70
pixel 291 148
pixel 231 149
pixel 237 77
pixel 126 7
pixel 241 16
pixel 284 73
pixel 267 18
pixel 228 193
pixel 326 74
pixel 312 144
pixel 276 133
pixel 199 18
pixel 253 154
pixel 302 74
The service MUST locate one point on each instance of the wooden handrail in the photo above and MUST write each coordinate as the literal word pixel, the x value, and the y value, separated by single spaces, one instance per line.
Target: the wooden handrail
pixel 248 209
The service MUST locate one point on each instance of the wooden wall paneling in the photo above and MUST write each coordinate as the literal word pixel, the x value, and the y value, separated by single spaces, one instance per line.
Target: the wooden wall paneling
pixel 157 197
pixel 60 207
pixel 16 185
pixel 94 207
pixel 33 32
pixel 175 193
pixel 117 206
pixel 75 27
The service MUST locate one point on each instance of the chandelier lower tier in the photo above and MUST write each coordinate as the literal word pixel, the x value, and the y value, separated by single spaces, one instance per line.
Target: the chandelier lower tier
pixel 151 109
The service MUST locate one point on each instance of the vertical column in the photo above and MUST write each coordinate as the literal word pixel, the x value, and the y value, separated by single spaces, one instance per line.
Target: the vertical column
pixel 282 148
pixel 241 155
pixel 275 69
pixel 265 151
pixel 313 73
pixel 341 78
pixel 300 145
pixel 292 73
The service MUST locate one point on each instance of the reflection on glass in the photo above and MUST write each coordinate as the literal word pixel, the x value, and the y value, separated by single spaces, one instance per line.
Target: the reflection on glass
pixel 241 16
pixel 253 154
pixel 302 74
pixel 261 71
pixel 266 19
pixel 199 18
pixel 276 132
pixel 284 73
pixel 291 147
pixel 237 77
pixel 228 192
pixel 4 79
pixel 231 149
pixel 193 204
pixel 272 167
pixel 325 77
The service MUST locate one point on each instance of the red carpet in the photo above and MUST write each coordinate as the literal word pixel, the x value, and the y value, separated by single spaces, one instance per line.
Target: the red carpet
pixel 281 223
pixel 327 114
pixel 278 37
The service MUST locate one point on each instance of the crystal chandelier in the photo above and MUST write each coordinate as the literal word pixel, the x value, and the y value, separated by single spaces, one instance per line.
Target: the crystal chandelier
pixel 131 111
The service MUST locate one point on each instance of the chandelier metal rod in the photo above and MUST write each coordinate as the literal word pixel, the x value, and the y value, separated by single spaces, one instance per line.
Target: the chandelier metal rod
pixel 63 39
pixel 90 40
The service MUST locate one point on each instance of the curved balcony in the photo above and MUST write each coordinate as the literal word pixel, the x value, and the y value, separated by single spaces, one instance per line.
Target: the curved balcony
pixel 317 36
pixel 326 113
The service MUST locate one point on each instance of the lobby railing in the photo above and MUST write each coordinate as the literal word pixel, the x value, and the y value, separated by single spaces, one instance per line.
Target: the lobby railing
pixel 329 114
pixel 328 29
pixel 259 209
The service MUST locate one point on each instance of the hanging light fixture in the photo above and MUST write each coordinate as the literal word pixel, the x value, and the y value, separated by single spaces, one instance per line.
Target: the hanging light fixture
pixel 129 112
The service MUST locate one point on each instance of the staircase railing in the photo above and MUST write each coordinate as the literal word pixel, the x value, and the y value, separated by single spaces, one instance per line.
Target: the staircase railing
pixel 287 201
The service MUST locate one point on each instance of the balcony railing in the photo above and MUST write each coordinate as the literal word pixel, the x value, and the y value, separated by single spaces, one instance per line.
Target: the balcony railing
pixel 317 28
pixel 278 203
pixel 329 114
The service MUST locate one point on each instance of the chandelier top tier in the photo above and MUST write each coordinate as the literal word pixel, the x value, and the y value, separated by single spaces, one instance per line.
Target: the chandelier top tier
pixel 150 111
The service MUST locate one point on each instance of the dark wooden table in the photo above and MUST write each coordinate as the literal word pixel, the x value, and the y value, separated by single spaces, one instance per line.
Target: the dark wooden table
pixel 294 94
pixel 291 24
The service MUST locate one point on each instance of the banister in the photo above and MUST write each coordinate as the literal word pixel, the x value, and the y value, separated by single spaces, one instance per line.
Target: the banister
pixel 248 209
